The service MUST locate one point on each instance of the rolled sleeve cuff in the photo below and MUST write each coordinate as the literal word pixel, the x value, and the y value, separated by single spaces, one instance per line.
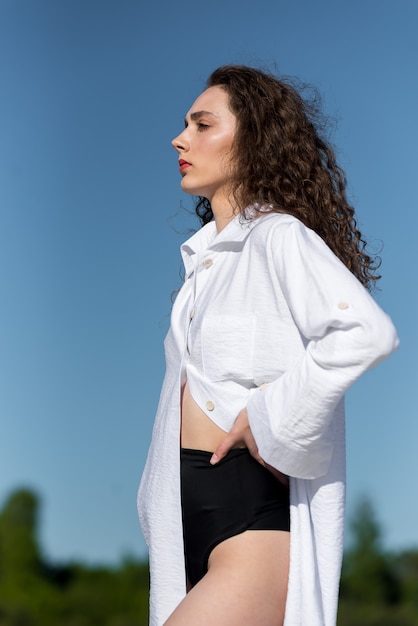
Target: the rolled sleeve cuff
pixel 285 455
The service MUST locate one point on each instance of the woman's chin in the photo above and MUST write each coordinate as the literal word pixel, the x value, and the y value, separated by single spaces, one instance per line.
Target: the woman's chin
pixel 189 188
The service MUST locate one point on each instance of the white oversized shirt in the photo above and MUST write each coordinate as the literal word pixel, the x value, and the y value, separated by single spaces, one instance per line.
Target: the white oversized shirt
pixel 270 319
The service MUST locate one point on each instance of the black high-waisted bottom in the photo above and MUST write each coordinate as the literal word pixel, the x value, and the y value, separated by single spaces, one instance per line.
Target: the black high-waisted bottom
pixel 223 500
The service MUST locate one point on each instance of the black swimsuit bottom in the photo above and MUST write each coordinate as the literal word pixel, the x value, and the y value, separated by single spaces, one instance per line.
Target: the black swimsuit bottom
pixel 220 501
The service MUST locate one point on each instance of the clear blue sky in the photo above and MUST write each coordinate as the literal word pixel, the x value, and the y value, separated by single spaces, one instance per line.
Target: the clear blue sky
pixel 91 92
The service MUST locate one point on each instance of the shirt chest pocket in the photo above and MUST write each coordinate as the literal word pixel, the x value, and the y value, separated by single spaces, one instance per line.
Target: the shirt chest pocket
pixel 227 343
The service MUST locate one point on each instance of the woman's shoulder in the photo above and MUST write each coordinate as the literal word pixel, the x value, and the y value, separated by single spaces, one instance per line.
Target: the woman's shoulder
pixel 274 224
pixel 286 237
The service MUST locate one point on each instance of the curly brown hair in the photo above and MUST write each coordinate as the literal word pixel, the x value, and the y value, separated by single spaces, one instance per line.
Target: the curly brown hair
pixel 295 169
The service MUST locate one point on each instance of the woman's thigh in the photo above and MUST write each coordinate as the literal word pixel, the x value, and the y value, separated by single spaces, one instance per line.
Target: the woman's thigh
pixel 246 583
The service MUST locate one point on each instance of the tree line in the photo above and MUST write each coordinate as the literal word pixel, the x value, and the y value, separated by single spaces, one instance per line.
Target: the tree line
pixel 377 588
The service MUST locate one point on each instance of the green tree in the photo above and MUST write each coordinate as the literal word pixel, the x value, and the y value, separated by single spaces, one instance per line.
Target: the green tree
pixel 369 575
pixel 34 592
pixel 406 565
pixel 24 594
pixel 19 553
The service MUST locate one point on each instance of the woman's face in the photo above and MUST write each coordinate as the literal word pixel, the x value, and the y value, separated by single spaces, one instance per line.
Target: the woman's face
pixel 204 146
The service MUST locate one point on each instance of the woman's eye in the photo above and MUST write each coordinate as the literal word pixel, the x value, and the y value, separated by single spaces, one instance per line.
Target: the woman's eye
pixel 202 126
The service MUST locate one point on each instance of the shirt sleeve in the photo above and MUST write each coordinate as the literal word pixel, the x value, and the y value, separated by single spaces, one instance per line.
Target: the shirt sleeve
pixel 345 333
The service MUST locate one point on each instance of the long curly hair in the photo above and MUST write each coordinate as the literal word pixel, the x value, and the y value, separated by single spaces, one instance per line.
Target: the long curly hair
pixel 283 163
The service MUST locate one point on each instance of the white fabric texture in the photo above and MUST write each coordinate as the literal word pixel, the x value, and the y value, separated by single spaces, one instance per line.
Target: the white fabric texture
pixel 270 319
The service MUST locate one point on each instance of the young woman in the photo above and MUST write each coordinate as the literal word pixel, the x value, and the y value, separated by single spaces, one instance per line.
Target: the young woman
pixel 271 327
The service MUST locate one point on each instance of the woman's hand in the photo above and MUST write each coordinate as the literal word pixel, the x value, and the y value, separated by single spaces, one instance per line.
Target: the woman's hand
pixel 240 436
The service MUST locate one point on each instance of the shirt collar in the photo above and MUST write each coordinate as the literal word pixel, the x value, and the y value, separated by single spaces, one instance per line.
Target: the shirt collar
pixel 207 238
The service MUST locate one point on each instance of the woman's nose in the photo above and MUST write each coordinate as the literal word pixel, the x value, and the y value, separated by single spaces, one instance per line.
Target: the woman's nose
pixel 180 142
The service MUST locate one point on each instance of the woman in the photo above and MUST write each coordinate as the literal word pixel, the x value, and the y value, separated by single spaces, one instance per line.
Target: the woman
pixel 271 327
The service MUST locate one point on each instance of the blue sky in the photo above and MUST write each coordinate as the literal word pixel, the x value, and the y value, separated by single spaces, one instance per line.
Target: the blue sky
pixel 91 93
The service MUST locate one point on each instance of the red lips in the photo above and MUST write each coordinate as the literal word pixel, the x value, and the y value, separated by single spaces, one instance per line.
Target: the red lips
pixel 183 164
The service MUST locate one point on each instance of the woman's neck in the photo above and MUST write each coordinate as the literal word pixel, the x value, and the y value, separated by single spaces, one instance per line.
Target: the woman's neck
pixel 223 212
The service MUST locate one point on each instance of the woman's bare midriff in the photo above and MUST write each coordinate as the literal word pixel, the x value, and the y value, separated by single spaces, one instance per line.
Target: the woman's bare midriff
pixel 198 432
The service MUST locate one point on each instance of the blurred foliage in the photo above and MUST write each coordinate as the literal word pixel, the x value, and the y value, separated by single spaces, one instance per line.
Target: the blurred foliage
pixel 377 589
pixel 36 593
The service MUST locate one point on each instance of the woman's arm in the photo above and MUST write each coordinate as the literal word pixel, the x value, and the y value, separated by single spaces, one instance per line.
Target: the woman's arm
pixel 345 332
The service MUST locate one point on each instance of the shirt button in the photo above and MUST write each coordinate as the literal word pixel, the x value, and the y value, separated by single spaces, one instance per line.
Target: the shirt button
pixel 343 305
pixel 207 263
pixel 192 314
pixel 210 405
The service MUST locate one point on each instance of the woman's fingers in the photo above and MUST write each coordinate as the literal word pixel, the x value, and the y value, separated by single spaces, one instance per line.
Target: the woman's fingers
pixel 239 435
pixel 233 439
pixel 223 449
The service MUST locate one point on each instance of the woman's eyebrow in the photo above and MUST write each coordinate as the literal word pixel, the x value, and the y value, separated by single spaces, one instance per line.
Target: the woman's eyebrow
pixel 197 114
